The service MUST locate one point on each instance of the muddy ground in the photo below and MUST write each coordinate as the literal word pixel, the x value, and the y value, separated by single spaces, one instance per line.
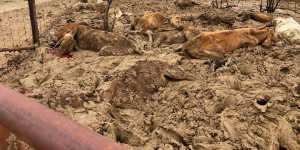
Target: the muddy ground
pixel 160 100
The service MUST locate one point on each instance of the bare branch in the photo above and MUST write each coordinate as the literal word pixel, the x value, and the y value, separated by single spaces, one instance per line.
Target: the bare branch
pixel 271 5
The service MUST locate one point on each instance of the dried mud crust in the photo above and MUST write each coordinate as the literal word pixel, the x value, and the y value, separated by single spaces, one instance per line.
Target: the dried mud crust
pixel 163 101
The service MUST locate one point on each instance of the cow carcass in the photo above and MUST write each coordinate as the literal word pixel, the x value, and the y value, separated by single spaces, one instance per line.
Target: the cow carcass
pixel 216 44
pixel 83 37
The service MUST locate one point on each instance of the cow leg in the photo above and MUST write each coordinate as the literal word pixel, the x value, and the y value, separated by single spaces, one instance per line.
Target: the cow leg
pixel 150 37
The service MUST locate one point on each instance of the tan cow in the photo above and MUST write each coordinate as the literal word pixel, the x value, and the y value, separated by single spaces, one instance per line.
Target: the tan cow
pixel 261 17
pixel 149 21
pixel 216 44
pixel 154 22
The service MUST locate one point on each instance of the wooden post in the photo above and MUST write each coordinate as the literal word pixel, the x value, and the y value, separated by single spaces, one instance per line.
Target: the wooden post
pixel 33 20
pixel 106 21
pixel 260 7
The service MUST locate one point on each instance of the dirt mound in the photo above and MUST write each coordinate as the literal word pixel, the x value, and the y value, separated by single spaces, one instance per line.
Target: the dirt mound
pixel 137 84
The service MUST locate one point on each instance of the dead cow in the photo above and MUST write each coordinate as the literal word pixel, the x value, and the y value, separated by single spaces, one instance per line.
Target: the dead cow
pixel 260 17
pixel 149 21
pixel 105 43
pixel 185 3
pixel 67 28
pixel 216 44
pixel 163 30
pixel 153 22
pixel 181 35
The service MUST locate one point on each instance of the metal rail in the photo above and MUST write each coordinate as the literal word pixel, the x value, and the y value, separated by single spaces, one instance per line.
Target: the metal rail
pixel 44 128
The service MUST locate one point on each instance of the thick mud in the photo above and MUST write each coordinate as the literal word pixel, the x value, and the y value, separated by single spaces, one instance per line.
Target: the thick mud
pixel 160 100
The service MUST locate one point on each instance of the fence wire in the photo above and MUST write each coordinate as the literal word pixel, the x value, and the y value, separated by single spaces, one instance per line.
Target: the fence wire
pixel 292 5
pixel 15 26
pixel 50 11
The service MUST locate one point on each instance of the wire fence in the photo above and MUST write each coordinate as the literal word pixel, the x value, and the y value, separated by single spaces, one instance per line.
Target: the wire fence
pixel 49 12
pixel 15 26
pixel 292 5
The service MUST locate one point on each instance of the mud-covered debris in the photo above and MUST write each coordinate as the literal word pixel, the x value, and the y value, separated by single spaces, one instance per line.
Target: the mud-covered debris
pixel 116 12
pixel 243 16
pixel 89 6
pixel 287 138
pixel 262 102
pixel 246 69
pixel 287 30
pixel 222 145
pixel 185 3
pixel 127 136
pixel 296 90
pixel 219 107
pixel 285 69
pixel 86 119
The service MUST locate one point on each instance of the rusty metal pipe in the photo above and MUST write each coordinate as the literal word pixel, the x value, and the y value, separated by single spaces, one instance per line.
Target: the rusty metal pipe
pixel 46 129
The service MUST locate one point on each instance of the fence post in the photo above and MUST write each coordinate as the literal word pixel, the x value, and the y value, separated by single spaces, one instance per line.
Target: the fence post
pixel 33 20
